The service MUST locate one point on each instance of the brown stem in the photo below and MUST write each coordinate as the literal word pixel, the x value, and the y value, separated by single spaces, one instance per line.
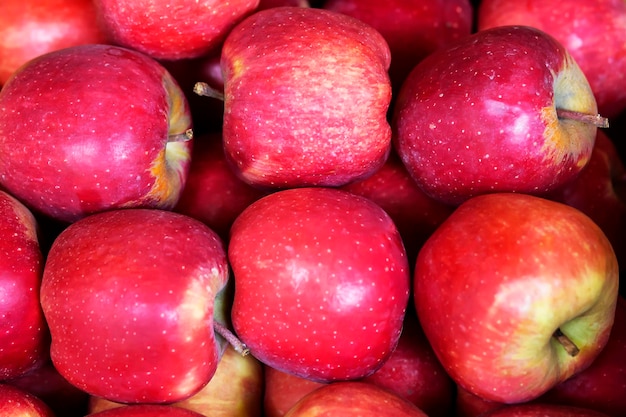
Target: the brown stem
pixel 594 119
pixel 204 89
pixel 566 342
pixel 181 137
pixel 231 338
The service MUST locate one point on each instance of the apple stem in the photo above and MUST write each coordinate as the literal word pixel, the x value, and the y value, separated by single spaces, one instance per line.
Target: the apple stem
pixel 566 342
pixel 231 338
pixel 204 89
pixel 594 119
pixel 181 137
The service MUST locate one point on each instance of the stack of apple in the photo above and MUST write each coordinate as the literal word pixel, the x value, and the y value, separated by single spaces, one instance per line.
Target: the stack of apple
pixel 292 208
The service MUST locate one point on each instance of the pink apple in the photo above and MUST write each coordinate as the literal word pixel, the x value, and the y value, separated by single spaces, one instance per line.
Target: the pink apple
pixel 505 109
pixel 321 283
pixel 352 399
pixel 24 339
pixel 412 28
pixel 515 294
pixel 132 298
pixel 235 390
pixel 599 191
pixel 213 193
pixel 17 403
pixel 29 28
pixel 100 127
pixel 592 31
pixel 542 410
pixel 171 30
pixel 146 410
pixel 307 108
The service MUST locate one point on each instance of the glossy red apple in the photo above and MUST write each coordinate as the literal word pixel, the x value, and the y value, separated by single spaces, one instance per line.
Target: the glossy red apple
pixel 321 283
pixel 515 294
pixel 171 30
pixel 306 94
pixel 505 109
pixel 15 402
pixel 352 399
pixel 29 28
pixel 412 28
pixel 132 298
pixel 100 127
pixel 213 193
pixel 592 31
pixel 24 339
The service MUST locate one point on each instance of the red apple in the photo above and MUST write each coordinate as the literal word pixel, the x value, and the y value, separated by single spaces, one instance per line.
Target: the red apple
pixel 29 28
pixel 17 403
pixel 146 410
pixel 132 298
pixel 307 108
pixel 171 30
pixel 599 191
pixel 415 214
pixel 235 390
pixel 352 399
pixel 542 410
pixel 592 31
pixel 213 193
pixel 24 339
pixel 516 294
pixel 505 109
pixel 90 128
pixel 283 390
pixel 321 283
pixel 412 28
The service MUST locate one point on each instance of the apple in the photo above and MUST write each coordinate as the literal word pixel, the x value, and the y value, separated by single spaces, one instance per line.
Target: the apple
pixel 24 338
pixel 307 109
pixel 132 298
pixel 146 410
pixel 321 283
pixel 599 191
pixel 467 404
pixel 171 30
pixel 412 28
pixel 516 293
pixel 45 383
pixel 268 4
pixel 17 403
pixel 353 398
pixel 415 214
pixel 505 109
pixel 29 28
pixel 100 127
pixel 236 390
pixel 213 193
pixel 283 390
pixel 542 410
pixel 593 33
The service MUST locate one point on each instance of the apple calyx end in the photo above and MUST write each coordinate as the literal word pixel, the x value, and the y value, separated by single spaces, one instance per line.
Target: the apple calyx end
pixel 204 89
pixel 593 119
pixel 569 346
pixel 231 338
pixel 186 136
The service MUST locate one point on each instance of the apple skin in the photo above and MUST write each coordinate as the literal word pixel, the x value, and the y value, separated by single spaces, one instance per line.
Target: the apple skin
pixel 100 127
pixel 499 277
pixel 213 193
pixel 29 28
pixel 146 410
pixel 481 116
pixel 235 390
pixel 412 28
pixel 15 402
pixel 283 390
pixel 321 118
pixel 321 283
pixel 542 410
pixel 353 398
pixel 24 338
pixel 593 32
pixel 268 4
pixel 599 191
pixel 171 30
pixel 144 284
